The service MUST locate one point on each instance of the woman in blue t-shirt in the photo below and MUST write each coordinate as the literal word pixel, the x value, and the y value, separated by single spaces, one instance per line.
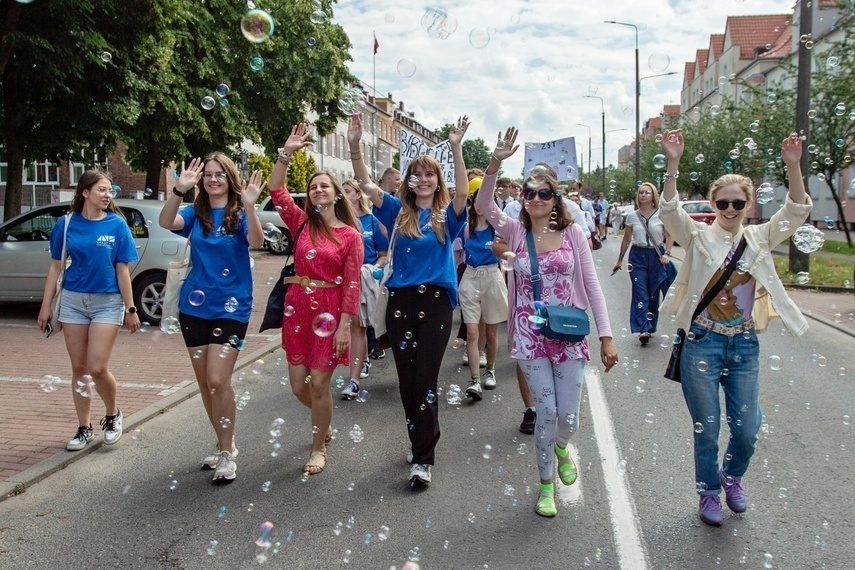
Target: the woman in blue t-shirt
pixel 96 298
pixel 423 286
pixel 375 245
pixel 216 298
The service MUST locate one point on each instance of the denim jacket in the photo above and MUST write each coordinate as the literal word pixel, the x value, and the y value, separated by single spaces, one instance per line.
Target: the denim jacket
pixel 707 248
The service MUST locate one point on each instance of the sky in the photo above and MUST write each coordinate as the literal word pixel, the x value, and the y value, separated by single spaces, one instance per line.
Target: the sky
pixel 541 58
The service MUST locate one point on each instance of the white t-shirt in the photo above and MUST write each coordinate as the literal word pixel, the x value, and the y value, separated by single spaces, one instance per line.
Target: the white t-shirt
pixel 639 235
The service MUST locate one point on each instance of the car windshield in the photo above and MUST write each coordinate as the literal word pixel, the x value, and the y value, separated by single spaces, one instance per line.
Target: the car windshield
pixel 698 208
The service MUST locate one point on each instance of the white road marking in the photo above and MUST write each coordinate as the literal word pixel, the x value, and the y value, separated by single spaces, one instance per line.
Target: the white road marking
pixel 169 388
pixel 627 532
pixel 570 495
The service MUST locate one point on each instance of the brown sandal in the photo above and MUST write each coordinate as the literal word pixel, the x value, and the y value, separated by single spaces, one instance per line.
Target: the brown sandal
pixel 316 463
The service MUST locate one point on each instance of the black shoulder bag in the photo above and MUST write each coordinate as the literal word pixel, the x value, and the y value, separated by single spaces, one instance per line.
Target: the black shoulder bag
pixel 672 371
pixel 560 322
pixel 276 301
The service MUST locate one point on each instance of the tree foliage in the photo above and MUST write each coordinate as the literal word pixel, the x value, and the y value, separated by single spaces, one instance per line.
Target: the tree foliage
pixel 476 153
pixel 301 169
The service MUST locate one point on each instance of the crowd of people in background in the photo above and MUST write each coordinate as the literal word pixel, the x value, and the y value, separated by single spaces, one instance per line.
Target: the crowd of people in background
pixel 385 264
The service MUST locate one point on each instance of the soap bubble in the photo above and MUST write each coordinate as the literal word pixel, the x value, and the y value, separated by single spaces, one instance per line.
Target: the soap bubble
pixel 406 68
pixel 438 23
pixel 106 56
pixel 196 297
pixel 784 225
pixel 319 17
pixel 808 239
pixel 660 162
pixel 775 362
pixel 222 90
pixel 700 159
pixel 356 434
pixel 324 325
pixel 699 427
pixel 264 533
pixel 276 427
pixel 230 305
pixel 84 385
pixel 50 383
pixel 703 366
pixel 257 26
pixel 271 232
pixel 658 62
pixel 803 277
pixel 256 63
pixel 765 193
pixel 208 102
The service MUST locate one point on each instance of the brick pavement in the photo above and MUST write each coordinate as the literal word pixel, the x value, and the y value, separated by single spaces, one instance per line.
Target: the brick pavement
pixel 148 366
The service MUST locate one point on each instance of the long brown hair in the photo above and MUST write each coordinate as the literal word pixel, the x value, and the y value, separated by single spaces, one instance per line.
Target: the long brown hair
pixel 563 217
pixel 87 181
pixel 342 208
pixel 202 203
pixel 473 215
pixel 364 207
pixel 409 216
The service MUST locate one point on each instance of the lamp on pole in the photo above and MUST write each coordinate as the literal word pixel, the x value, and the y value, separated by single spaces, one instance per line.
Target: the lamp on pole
pixel 603 107
pixel 637 99
pixel 578 155
pixel 589 151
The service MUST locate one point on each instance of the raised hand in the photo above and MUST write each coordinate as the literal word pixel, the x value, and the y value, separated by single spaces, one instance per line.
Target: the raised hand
pixel 456 132
pixel 354 130
pixel 505 146
pixel 791 149
pixel 190 177
pixel 299 139
pixel 672 142
pixel 252 189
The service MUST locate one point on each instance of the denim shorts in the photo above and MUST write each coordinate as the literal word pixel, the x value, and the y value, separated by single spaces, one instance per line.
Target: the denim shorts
pixel 86 308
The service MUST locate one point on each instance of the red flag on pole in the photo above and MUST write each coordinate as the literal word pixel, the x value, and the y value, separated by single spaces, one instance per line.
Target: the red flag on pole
pixel 376 44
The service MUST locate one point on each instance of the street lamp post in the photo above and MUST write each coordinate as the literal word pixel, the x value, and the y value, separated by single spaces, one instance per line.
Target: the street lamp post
pixel 589 151
pixel 578 144
pixel 637 99
pixel 603 107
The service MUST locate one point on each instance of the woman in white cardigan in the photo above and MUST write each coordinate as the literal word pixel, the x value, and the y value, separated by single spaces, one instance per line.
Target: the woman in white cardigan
pixel 721 347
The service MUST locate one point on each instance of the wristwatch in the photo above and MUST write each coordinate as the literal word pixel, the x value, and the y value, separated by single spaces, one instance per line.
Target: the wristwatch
pixel 131 310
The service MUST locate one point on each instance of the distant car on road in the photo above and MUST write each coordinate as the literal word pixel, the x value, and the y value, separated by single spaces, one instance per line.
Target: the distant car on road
pixel 25 254
pixel 699 210
pixel 268 215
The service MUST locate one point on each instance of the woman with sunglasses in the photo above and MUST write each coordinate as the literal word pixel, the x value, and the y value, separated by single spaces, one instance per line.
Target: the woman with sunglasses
pixel 650 269
pixel 721 347
pixel 423 286
pixel 554 369
pixel 216 298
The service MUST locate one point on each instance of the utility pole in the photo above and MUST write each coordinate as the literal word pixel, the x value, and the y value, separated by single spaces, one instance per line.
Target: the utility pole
pixel 800 261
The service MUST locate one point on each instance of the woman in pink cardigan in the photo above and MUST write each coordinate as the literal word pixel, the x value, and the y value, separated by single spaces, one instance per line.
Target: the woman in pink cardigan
pixel 554 370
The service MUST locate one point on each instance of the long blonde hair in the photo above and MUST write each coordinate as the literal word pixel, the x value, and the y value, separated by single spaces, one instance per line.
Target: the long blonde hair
pixel 364 206
pixel 409 216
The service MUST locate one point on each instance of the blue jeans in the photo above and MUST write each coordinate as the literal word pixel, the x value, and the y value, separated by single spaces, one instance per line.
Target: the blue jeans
pixel 733 363
pixel 650 280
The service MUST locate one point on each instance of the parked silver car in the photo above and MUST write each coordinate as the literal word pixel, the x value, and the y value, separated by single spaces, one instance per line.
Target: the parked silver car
pixel 25 254
pixel 268 215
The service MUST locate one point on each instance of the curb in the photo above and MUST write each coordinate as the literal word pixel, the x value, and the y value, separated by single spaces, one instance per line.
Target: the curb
pixel 19 483
pixel 820 319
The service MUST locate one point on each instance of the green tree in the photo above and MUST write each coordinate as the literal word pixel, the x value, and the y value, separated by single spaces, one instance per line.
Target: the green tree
pixel 302 168
pixel 263 163
pixel 68 82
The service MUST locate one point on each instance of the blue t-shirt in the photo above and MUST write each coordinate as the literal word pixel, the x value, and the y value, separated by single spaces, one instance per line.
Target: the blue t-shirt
pixel 219 285
pixel 373 240
pixel 387 212
pixel 479 248
pixel 94 247
pixel 424 260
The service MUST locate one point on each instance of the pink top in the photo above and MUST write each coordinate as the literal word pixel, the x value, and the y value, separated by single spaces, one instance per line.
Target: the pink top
pixel 569 278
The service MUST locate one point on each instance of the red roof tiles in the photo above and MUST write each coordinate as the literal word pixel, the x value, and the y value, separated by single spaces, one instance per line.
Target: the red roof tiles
pixel 751 32
pixel 716 46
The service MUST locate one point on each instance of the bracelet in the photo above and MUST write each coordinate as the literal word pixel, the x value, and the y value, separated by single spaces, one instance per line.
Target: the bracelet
pixel 285 158
pixel 494 157
pixel 355 156
pixel 179 194
pixel 666 177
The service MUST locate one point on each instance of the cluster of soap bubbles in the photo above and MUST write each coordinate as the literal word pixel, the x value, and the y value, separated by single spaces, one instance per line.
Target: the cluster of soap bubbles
pixel 84 386
pixel 50 383
pixel 351 101
pixel 765 193
pixel 356 434
pixel 170 325
pixel 242 401
pixel 438 23
pixel 454 395
pixel 808 239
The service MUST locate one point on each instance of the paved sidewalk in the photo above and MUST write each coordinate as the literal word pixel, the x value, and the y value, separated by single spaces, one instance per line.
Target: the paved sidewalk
pixel 150 367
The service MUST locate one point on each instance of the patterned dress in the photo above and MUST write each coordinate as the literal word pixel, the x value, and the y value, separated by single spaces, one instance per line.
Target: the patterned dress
pixel 308 332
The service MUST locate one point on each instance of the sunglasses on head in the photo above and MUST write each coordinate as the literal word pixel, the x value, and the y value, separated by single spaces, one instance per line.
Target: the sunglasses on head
pixel 737 204
pixel 544 193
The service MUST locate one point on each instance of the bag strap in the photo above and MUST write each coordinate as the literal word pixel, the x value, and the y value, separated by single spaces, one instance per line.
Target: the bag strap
pixel 391 256
pixel 728 271
pixel 64 255
pixel 650 235
pixel 535 270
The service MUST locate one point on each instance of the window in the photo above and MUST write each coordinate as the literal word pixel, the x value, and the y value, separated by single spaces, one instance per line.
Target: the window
pixel 136 222
pixel 78 167
pixel 342 146
pixel 35 228
pixel 41 173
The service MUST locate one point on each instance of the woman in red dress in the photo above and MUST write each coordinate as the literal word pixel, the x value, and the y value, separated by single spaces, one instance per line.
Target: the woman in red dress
pixel 324 296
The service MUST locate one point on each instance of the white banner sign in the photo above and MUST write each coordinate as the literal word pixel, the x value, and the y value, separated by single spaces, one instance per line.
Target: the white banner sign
pixel 411 145
pixel 559 154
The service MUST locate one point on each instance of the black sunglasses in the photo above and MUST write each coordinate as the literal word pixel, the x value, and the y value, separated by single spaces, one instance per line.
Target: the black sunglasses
pixel 737 204
pixel 544 194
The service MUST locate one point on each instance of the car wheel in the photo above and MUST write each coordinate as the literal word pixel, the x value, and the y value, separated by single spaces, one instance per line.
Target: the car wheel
pixel 148 297
pixel 282 246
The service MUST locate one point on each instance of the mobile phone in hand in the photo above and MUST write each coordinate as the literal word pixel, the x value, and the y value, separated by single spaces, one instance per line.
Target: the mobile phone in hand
pixel 48 329
pixel 615 271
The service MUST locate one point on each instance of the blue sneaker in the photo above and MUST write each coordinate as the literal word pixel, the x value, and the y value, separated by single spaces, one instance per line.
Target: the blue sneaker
pixel 733 492
pixel 710 510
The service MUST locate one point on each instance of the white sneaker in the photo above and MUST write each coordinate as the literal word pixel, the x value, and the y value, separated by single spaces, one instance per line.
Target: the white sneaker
pixel 474 391
pixel 84 435
pixel 112 426
pixel 351 390
pixel 226 468
pixel 366 367
pixel 210 461
pixel 482 359
pixel 489 379
pixel 420 473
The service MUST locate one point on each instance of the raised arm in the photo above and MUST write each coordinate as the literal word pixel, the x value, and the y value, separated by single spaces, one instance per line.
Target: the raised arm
pixel 791 154
pixel 298 139
pixel 461 182
pixel 249 196
pixel 672 142
pixel 360 171
pixel 505 147
pixel 188 178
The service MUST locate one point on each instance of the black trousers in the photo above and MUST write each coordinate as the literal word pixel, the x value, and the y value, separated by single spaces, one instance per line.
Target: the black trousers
pixel 419 326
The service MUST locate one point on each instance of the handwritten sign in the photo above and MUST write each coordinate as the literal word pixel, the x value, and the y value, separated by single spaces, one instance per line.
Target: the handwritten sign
pixel 559 154
pixel 411 145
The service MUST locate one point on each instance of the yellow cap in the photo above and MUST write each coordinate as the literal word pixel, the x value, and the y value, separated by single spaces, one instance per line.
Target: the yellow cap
pixel 474 185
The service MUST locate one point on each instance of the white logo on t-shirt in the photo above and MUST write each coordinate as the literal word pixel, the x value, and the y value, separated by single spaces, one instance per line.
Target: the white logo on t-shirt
pixel 106 241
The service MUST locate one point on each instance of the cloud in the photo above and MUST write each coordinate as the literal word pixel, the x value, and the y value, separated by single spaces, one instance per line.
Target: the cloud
pixel 541 59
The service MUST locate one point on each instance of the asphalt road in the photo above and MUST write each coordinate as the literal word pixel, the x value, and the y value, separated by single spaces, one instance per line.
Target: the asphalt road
pixel 144 503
